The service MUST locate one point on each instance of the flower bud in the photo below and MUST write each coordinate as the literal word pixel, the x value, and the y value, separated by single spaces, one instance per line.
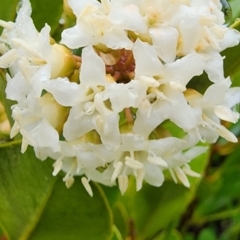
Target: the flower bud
pixel 62 61
pixel 53 112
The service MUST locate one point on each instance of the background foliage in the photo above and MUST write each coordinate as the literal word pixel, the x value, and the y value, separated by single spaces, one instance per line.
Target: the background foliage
pixel 35 205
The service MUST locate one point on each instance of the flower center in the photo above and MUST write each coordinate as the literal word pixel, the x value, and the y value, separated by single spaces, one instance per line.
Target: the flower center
pixel 123 70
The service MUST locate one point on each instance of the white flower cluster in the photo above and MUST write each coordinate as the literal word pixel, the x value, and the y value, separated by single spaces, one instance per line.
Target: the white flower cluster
pixel 104 114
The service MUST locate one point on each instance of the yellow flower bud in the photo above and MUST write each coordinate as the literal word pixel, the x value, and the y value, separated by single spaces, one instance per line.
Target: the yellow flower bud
pixel 63 61
pixel 53 112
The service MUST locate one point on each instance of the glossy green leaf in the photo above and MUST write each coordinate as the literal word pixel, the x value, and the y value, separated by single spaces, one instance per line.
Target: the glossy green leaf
pixel 172 235
pixel 25 186
pixel 37 206
pixel 207 234
pixel 235 6
pixel 8 9
pixel 72 213
pixel 222 190
pixel 120 215
pixel 46 11
pixel 232 60
pixel 232 231
pixel 43 11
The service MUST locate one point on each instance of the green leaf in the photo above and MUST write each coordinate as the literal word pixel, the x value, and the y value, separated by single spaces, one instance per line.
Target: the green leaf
pixel 235 6
pixel 232 60
pixel 172 235
pixel 222 189
pixel 37 206
pixel 8 9
pixel 208 234
pixel 70 213
pixel 232 231
pixel 46 11
pixel 25 185
pixel 120 215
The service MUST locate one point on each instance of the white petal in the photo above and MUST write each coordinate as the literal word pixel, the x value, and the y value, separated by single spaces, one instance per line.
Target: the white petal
pixel 107 124
pixel 184 69
pixel 141 52
pixel 76 37
pixel 165 41
pixel 116 39
pixel 214 67
pixel 41 134
pixel 232 96
pixel 8 58
pixel 226 113
pixel 190 30
pixel 128 18
pixel 217 90
pixel 92 69
pixel 17 88
pixel 66 93
pixel 76 127
pixel 231 39
pixel 153 175
pixel 78 6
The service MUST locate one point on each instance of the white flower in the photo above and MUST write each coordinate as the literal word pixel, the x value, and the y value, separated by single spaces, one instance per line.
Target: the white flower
pixel 215 109
pixel 114 106
pixel 93 27
pixel 32 122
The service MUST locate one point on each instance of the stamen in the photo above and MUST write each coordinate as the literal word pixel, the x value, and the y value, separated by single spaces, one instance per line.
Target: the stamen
pixel 123 183
pixel 150 82
pixel 22 44
pixel 221 130
pixel 69 182
pixel 24 145
pixel 7 25
pixel 182 176
pixel 173 175
pixel 8 58
pixel 158 161
pixel 140 173
pixel 130 162
pixel 190 172
pixel 57 166
pixel 87 186
pixel 117 171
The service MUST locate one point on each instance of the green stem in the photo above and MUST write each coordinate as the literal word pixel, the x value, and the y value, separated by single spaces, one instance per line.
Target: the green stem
pixel 236 24
pixel 217 216
pixel 10 144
